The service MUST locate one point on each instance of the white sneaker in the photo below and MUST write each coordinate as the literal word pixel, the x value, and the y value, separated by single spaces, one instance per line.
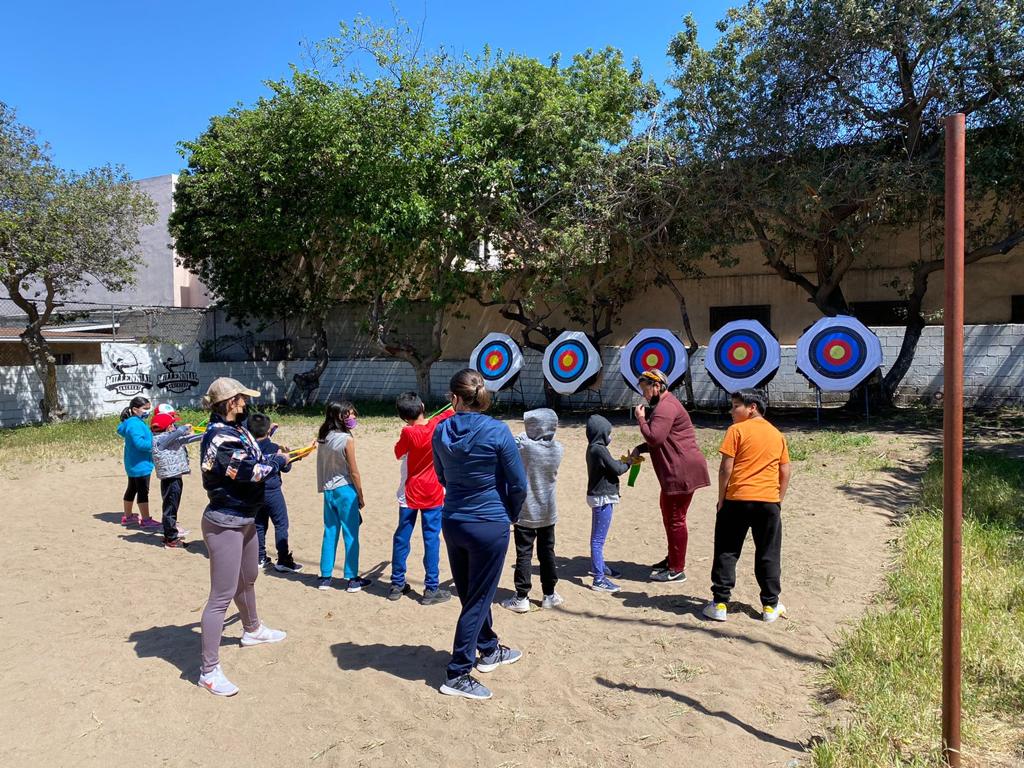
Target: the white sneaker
pixel 263 635
pixel 215 682
pixel 770 614
pixel 552 601
pixel 516 604
pixel 716 611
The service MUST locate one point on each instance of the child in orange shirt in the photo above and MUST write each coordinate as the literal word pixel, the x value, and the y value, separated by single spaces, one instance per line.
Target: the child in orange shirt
pixel 752 482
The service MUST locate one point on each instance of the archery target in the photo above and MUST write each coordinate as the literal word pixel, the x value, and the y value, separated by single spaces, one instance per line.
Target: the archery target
pixel 838 353
pixel 742 354
pixel 653 348
pixel 570 361
pixel 498 359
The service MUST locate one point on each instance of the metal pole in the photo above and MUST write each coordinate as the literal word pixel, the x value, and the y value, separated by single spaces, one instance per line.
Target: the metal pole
pixel 953 439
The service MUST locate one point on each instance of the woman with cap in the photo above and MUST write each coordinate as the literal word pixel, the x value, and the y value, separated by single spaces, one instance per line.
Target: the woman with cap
pixel 234 469
pixel 670 439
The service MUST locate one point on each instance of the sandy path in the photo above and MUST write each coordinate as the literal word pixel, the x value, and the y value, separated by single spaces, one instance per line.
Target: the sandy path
pixel 102 641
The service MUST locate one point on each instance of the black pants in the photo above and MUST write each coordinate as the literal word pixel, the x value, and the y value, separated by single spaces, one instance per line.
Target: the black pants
pixel 138 489
pixel 545 538
pixel 764 520
pixel 476 553
pixel 275 510
pixel 170 491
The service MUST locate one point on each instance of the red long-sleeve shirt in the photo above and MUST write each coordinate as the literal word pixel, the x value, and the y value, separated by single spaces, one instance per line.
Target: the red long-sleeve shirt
pixel 422 490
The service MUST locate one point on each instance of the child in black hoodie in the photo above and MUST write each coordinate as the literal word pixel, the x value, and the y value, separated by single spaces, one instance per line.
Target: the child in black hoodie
pixel 603 472
pixel 273 509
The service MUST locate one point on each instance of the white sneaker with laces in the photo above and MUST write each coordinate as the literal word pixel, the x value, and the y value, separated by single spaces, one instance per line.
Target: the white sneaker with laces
pixel 552 601
pixel 263 635
pixel 516 604
pixel 716 611
pixel 215 682
pixel 770 614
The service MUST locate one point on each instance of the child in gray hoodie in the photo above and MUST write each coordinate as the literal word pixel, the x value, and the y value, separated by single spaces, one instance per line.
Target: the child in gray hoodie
pixel 541 455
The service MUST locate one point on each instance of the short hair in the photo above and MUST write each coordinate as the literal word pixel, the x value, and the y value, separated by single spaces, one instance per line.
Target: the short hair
pixel 259 424
pixel 409 406
pixel 469 386
pixel 753 397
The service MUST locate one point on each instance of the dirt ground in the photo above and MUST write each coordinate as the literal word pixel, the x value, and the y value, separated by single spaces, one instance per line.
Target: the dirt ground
pixel 102 640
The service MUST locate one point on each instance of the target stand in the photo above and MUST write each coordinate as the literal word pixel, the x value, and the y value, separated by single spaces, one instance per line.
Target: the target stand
pixel 837 354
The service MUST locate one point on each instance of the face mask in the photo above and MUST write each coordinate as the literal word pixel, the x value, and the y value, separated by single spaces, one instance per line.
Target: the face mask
pixel 145 415
pixel 350 422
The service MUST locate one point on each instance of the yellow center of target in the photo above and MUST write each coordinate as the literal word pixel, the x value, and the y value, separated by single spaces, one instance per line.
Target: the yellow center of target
pixel 837 352
pixel 493 360
pixel 740 353
pixel 568 360
pixel 651 359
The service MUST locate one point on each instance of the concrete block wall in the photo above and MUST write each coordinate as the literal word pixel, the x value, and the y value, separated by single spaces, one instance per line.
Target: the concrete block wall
pixel 994 375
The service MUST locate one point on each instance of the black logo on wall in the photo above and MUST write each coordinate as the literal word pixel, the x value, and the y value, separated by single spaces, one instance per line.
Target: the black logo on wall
pixel 129 379
pixel 177 379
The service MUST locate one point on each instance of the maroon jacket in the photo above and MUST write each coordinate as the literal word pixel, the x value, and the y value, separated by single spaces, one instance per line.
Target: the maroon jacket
pixel 671 440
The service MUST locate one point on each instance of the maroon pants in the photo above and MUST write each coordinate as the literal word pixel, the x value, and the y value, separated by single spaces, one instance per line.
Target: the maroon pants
pixel 673 512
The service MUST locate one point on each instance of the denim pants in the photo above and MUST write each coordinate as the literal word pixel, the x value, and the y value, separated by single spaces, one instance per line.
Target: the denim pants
pixel 430 523
pixel 273 510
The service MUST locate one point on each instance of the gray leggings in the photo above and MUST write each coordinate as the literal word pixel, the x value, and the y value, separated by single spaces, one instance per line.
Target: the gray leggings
pixel 234 565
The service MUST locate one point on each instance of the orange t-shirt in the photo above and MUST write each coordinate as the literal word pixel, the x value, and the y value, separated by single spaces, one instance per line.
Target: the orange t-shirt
pixel 757 449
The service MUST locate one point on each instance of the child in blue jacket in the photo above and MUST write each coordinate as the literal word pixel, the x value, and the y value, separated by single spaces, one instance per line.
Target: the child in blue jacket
pixel 274 509
pixel 138 461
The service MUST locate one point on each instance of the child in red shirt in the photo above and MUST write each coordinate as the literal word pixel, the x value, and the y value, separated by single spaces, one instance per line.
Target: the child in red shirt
pixel 419 493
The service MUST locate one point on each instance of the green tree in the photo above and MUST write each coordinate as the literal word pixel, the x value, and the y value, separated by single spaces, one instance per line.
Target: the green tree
pixel 59 231
pixel 816 124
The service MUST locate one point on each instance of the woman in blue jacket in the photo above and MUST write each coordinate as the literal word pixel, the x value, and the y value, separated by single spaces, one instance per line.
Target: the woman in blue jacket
pixel 138 461
pixel 476 460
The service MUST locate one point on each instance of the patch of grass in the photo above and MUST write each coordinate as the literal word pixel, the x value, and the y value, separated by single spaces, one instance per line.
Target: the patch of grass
pixel 889 666
pixel 825 442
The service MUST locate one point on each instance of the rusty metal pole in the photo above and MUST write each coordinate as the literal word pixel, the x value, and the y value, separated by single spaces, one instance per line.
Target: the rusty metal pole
pixel 953 439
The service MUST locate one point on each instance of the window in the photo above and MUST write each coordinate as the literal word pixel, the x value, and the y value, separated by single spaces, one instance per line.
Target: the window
pixel 64 358
pixel 880 312
pixel 1017 309
pixel 722 315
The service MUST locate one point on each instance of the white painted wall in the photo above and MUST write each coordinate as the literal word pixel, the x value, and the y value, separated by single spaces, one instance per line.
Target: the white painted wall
pixel 994 375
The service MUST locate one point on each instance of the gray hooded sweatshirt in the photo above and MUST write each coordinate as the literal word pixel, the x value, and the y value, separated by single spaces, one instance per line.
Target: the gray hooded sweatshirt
pixel 541 455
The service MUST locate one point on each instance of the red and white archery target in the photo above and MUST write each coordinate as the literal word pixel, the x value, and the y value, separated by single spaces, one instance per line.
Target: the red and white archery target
pixel 838 353
pixel 570 362
pixel 653 348
pixel 498 359
pixel 742 354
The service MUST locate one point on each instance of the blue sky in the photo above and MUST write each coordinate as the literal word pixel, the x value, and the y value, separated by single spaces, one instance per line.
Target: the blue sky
pixel 123 82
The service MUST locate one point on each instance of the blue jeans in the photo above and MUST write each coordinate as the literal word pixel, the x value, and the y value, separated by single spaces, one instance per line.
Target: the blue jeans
pixel 341 510
pixel 600 522
pixel 273 510
pixel 430 523
pixel 476 553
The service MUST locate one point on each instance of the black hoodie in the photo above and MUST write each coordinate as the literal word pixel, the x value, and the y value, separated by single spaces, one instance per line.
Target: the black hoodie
pixel 603 469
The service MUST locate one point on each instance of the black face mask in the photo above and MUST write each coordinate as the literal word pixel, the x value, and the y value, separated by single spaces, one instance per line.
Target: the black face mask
pixel 243 418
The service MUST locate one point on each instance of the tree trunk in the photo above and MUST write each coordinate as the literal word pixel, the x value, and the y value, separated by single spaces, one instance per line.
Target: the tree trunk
pixel 307 382
pixel 691 341
pixel 45 365
pixel 423 378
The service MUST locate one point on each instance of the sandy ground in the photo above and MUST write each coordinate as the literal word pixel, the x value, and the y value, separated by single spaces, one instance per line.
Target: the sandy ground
pixel 102 641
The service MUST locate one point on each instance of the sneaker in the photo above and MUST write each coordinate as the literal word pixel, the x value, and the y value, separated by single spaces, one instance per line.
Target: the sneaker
pixel 604 585
pixel 396 591
pixel 215 682
pixel 435 596
pixel 516 604
pixel 771 613
pixel 263 635
pixel 323 582
pixel 608 571
pixel 178 543
pixel 502 655
pixel 716 611
pixel 661 565
pixel 467 687
pixel 127 520
pixel 151 524
pixel 182 532
pixel 668 575
pixel 287 565
pixel 552 601
pixel 265 562
pixel 357 584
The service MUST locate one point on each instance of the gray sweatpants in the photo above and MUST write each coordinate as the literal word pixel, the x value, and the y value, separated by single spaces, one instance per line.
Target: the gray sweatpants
pixel 234 564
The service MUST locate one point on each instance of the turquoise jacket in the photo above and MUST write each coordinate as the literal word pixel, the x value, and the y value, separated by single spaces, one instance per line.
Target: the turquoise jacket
pixel 138 447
